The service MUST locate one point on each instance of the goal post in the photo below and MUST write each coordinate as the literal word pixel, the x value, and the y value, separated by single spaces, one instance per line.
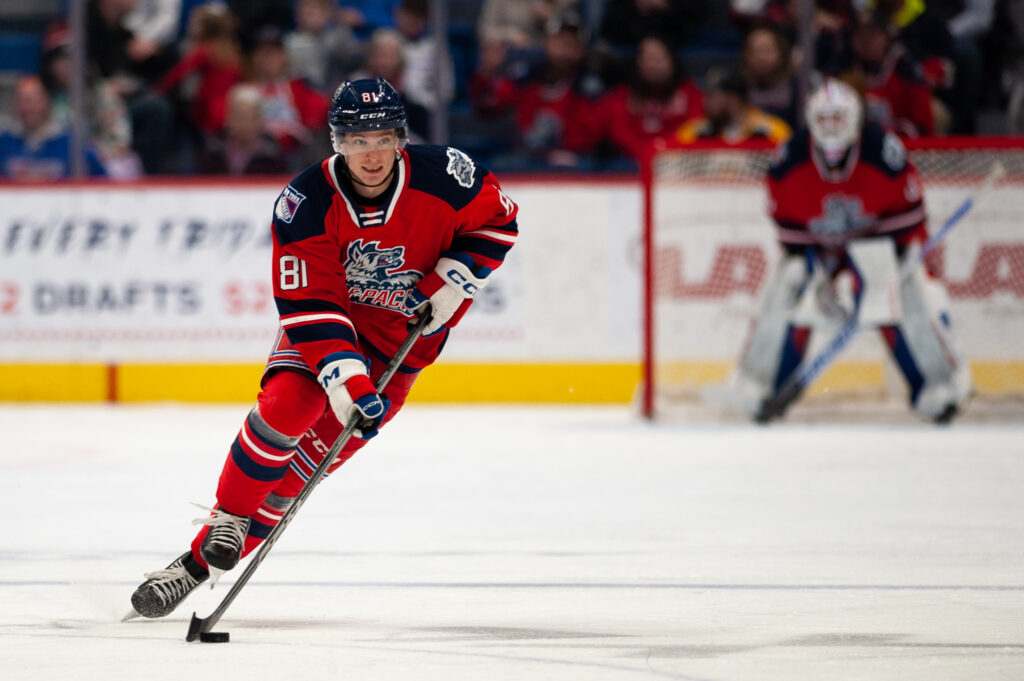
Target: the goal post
pixel 709 247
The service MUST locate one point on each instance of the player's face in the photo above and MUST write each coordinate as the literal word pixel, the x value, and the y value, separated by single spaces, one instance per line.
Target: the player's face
pixel 370 155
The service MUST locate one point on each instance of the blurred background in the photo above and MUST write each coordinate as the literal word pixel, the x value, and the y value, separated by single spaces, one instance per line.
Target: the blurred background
pixel 182 87
pixel 143 142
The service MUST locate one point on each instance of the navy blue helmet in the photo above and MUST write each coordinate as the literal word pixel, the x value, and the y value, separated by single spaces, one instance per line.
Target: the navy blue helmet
pixel 365 105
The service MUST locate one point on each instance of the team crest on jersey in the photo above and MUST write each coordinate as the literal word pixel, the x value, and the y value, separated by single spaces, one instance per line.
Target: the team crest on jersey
pixel 374 277
pixel 461 167
pixel 288 203
pixel 842 214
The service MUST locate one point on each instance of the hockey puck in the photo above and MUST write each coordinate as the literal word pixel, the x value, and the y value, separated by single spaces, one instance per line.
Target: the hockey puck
pixel 214 636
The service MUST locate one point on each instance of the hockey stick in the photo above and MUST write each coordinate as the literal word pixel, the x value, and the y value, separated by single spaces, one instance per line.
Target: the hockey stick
pixel 198 626
pixel 776 405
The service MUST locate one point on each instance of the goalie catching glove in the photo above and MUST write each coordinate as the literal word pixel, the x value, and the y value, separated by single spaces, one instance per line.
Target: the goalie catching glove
pixel 353 396
pixel 449 290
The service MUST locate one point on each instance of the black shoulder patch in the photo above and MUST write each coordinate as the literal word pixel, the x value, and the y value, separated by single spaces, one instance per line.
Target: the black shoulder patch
pixel 446 173
pixel 790 154
pixel 301 207
pixel 882 150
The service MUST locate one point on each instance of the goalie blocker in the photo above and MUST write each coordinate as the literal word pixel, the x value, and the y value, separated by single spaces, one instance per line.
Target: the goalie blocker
pixel 848 202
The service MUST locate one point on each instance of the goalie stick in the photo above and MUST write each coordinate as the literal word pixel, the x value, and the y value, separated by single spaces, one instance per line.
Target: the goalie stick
pixel 199 626
pixel 774 406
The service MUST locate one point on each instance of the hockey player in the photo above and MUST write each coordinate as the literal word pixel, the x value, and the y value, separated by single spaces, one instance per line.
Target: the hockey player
pixel 362 243
pixel 846 198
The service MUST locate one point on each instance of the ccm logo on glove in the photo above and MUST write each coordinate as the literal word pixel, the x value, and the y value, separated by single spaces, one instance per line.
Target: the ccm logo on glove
pixel 447 289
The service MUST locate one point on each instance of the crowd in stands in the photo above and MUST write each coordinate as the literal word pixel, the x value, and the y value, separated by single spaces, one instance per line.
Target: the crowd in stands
pixel 243 86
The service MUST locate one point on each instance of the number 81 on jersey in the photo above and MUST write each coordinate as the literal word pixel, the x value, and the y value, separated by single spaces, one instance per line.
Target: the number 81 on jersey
pixel 293 272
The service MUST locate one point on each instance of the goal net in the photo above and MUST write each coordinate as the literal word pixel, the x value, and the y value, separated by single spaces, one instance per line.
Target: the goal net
pixel 711 248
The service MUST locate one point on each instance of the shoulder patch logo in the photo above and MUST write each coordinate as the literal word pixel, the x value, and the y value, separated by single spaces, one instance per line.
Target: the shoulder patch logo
pixel 288 204
pixel 894 155
pixel 461 167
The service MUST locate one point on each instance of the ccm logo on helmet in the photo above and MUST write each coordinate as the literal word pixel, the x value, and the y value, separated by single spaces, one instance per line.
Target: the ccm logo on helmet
pixel 379 114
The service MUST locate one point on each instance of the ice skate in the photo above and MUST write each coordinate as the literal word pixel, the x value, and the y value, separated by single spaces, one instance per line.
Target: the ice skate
pixel 164 590
pixel 222 546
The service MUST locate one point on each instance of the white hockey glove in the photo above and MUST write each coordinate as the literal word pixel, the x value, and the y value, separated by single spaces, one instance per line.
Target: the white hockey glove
pixel 353 396
pixel 449 290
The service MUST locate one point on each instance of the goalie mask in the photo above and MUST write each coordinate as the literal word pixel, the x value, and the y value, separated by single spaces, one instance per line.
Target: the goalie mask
pixel 834 117
pixel 366 105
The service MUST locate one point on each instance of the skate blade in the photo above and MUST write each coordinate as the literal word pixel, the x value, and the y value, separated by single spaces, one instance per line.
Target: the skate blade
pixel 215 575
pixel 132 614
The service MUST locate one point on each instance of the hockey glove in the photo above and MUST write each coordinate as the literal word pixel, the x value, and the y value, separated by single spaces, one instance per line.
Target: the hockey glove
pixel 352 396
pixel 449 290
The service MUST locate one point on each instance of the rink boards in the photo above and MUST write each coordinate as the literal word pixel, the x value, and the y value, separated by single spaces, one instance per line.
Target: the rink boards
pixel 160 291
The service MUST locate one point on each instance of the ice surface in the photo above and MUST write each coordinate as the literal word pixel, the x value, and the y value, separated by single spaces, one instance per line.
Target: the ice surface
pixel 534 543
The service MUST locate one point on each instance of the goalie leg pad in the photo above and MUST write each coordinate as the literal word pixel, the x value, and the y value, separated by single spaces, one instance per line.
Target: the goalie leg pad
pixel 775 346
pixel 925 349
pixel 877 270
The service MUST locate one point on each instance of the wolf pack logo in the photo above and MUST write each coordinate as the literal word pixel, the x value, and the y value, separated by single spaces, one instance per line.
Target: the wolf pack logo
pixel 288 203
pixel 842 215
pixel 373 276
pixel 461 167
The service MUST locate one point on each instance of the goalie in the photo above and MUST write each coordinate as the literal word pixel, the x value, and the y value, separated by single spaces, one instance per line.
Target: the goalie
pixel 848 205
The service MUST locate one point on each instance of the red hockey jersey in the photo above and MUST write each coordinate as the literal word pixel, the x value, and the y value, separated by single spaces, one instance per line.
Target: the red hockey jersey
pixel 876 192
pixel 342 268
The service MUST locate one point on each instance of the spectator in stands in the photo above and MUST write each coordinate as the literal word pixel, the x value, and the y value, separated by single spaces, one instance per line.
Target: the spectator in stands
pixel 895 94
pixel 518 24
pixel 425 83
pixel 492 90
pixel 115 59
pixel 768 68
pixel 659 97
pixel 245 147
pixel 970 27
pixel 154 27
pixel 112 135
pixel 829 19
pixel 321 49
pixel 55 70
pixel 295 113
pixel 37 148
pixel 117 49
pixel 254 15
pixel 554 103
pixel 366 16
pixel 924 34
pixel 214 58
pixel 728 114
pixel 385 59
pixel 626 22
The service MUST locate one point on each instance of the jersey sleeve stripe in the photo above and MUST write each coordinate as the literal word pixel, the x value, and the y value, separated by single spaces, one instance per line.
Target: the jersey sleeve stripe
pixel 507 237
pixel 302 319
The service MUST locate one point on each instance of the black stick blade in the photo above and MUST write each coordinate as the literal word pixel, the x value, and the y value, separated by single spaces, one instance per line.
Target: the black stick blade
pixel 194 628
